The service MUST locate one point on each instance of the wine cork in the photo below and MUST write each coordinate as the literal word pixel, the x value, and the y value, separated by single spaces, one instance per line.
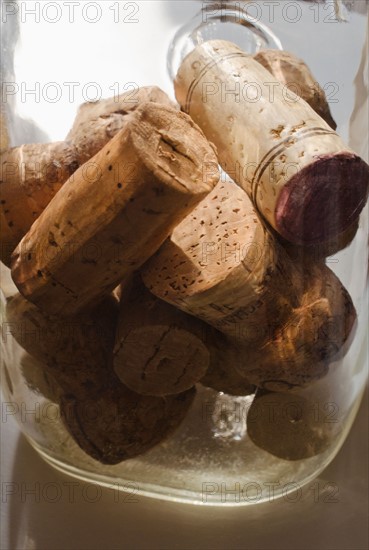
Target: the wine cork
pixel 306 255
pixel 118 424
pixel 98 122
pixel 308 185
pixel 159 350
pixel 38 379
pixel 101 227
pixel 316 334
pixel 32 174
pixel 76 352
pixel 222 374
pixel 107 420
pixel 222 265
pixel 30 177
pixel 296 75
pixel 288 426
pixel 4 133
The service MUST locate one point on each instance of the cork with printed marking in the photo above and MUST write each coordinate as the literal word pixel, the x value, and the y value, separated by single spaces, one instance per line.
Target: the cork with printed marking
pixel 307 184
pixel 223 266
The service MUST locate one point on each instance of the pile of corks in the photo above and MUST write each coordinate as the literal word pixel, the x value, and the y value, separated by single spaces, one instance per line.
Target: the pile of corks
pixel 143 271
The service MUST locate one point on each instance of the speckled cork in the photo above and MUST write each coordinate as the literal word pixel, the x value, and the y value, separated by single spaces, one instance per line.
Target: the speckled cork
pixel 222 265
pixel 308 185
pixel 104 224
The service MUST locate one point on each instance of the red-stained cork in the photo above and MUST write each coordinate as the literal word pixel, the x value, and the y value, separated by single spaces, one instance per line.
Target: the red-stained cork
pixel 322 200
pixel 302 178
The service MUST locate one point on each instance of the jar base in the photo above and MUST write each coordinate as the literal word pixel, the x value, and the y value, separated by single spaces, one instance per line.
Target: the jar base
pixel 176 465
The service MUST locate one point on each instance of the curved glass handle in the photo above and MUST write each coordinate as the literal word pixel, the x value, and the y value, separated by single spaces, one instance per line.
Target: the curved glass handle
pixel 223 21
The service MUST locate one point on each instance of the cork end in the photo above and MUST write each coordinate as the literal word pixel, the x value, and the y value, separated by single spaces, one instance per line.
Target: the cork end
pixel 168 361
pixel 323 200
pixel 286 426
pixel 174 149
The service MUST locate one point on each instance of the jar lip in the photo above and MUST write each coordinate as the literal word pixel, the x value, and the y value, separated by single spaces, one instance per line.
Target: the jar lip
pixel 216 20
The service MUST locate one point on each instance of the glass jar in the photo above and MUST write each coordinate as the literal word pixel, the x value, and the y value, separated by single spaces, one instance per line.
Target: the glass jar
pixel 214 456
